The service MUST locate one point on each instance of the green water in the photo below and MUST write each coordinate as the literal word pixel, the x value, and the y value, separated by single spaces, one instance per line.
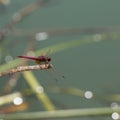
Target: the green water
pixel 93 67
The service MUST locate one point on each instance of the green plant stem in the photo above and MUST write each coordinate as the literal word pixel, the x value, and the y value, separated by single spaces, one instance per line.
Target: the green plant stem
pixel 106 111
pixel 39 90
pixel 65 45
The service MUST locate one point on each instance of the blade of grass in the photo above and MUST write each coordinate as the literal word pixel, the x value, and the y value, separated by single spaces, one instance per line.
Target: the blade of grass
pixel 67 90
pixel 54 48
pixel 65 45
pixel 106 111
pixel 39 90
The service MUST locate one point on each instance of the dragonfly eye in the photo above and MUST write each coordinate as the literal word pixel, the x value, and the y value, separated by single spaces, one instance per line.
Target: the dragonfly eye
pixel 49 59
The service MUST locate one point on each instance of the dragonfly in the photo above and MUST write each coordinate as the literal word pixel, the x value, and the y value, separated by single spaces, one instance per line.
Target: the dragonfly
pixel 39 60
pixel 42 59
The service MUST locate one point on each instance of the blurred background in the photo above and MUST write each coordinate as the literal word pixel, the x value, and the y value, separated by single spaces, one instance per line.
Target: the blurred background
pixel 82 38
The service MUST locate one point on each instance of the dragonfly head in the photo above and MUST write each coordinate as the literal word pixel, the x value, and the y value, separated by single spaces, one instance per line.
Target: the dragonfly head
pixel 48 59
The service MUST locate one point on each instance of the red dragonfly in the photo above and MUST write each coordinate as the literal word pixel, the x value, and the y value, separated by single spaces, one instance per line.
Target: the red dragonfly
pixel 42 60
pixel 39 60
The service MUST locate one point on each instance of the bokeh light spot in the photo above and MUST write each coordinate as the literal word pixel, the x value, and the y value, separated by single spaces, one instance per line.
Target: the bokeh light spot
pixel 41 36
pixel 115 116
pixel 88 94
pixel 18 101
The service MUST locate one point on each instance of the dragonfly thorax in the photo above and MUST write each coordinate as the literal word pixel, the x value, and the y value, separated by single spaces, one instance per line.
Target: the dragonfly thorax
pixel 44 59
